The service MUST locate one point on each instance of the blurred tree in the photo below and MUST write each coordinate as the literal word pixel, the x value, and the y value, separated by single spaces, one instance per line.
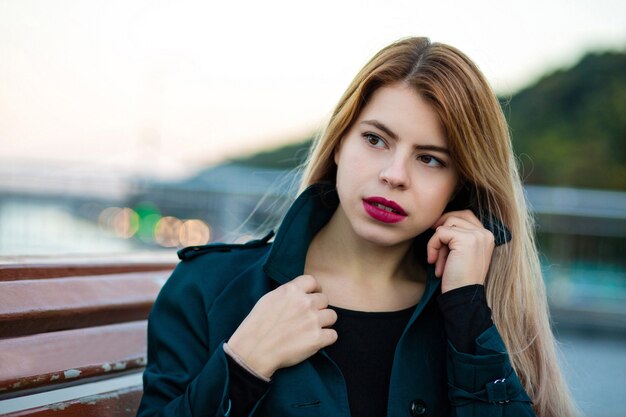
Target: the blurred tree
pixel 569 128
pixel 286 157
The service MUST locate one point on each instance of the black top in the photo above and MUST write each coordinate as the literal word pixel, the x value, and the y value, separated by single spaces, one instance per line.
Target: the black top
pixel 364 354
pixel 367 335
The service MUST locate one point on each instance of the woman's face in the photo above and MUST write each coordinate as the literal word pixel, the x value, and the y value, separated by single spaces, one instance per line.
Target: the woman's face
pixel 394 173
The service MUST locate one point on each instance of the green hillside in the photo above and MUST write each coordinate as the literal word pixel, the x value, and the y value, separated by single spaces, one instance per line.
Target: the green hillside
pixel 568 128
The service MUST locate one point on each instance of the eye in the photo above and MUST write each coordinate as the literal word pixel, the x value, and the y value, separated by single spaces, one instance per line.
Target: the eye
pixel 430 161
pixel 374 140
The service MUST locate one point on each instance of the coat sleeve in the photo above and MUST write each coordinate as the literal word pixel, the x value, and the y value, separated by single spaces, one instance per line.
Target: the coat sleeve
pixel 186 373
pixel 484 384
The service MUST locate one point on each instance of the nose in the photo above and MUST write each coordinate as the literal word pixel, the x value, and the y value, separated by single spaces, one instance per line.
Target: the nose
pixel 395 174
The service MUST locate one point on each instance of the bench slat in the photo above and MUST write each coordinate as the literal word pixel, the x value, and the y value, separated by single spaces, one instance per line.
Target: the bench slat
pixel 37 306
pixel 74 328
pixel 121 403
pixel 41 268
pixel 71 356
pixel 11 272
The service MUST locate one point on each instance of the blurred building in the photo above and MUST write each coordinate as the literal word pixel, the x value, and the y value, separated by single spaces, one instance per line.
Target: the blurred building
pixel 234 200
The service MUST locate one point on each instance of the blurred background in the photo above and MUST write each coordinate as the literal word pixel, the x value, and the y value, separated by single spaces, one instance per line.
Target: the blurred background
pixel 134 126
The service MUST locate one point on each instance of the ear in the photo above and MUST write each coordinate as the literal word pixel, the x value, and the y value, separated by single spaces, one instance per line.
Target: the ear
pixel 336 152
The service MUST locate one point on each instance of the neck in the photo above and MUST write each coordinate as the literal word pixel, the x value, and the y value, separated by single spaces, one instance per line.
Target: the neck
pixel 337 250
pixel 359 275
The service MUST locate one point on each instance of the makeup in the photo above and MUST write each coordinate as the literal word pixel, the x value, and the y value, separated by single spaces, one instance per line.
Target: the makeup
pixel 384 210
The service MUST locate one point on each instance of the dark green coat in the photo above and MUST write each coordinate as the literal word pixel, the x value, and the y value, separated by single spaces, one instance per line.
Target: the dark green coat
pixel 214 288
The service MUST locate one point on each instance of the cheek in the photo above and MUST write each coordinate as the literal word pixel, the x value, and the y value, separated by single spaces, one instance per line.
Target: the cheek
pixel 441 188
pixel 449 186
pixel 436 194
pixel 452 192
pixel 348 158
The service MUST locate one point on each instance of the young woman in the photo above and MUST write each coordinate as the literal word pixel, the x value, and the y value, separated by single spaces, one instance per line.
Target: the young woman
pixel 403 281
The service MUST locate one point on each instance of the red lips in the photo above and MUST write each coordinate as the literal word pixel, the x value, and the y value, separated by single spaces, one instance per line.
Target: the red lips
pixel 384 210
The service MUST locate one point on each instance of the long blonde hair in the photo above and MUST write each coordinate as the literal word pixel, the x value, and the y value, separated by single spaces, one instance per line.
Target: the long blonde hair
pixel 479 143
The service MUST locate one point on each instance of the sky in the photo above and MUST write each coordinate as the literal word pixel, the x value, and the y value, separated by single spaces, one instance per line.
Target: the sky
pixel 165 87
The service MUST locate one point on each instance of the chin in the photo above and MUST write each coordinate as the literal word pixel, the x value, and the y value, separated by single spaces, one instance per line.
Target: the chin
pixel 382 236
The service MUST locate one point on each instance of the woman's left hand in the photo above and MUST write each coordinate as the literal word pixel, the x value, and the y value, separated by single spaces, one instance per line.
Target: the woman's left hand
pixel 461 250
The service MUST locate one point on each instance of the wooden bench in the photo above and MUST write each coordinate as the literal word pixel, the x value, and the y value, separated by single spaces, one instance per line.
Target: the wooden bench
pixel 73 333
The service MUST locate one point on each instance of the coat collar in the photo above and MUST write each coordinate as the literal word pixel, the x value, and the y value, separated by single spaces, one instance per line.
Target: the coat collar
pixel 306 216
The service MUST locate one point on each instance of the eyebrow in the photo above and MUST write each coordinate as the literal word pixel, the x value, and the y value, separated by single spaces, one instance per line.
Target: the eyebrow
pixel 394 136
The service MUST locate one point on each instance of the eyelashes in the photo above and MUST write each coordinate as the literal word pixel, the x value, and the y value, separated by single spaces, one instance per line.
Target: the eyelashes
pixel 431 160
pixel 375 141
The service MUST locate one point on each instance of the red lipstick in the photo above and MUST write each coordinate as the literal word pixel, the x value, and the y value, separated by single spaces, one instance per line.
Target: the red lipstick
pixel 384 210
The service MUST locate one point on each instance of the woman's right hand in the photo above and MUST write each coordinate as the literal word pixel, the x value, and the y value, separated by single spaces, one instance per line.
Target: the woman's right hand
pixel 285 327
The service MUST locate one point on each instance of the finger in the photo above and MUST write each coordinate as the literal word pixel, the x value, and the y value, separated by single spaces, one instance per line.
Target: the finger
pixel 459 222
pixel 441 261
pixel 327 317
pixel 318 300
pixel 307 283
pixel 327 337
pixel 466 215
pixel 436 242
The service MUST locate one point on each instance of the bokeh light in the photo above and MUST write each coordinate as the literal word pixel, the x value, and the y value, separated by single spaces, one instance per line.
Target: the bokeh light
pixel 194 232
pixel 125 223
pixel 149 216
pixel 121 221
pixel 167 231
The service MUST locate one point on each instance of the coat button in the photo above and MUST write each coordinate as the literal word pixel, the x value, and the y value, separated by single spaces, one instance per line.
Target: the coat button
pixel 418 408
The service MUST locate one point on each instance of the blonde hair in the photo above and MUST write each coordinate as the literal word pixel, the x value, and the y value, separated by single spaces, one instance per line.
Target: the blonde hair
pixel 479 143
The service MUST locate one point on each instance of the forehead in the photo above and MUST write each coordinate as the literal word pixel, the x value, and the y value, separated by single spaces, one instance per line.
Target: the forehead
pixel 406 113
